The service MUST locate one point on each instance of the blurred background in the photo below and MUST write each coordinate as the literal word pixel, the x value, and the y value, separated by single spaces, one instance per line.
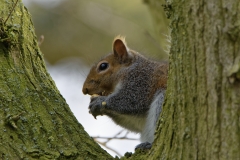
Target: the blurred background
pixel 77 34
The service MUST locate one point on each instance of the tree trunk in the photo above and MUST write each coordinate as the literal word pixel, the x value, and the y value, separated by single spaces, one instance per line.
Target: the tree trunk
pixel 200 118
pixel 201 115
pixel 36 122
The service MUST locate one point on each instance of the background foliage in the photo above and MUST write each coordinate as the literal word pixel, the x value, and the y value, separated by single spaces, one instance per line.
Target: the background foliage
pixel 85 29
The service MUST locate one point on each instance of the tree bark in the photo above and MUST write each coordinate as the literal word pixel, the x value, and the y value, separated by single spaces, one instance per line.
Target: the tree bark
pixel 200 118
pixel 36 122
pixel 201 115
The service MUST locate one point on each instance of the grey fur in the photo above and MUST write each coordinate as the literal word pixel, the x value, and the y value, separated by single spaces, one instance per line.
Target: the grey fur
pixel 135 104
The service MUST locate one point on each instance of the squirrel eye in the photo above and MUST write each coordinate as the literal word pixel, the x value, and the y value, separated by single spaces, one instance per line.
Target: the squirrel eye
pixel 103 66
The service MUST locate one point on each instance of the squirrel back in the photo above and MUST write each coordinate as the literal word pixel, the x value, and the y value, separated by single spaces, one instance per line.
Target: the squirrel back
pixel 130 86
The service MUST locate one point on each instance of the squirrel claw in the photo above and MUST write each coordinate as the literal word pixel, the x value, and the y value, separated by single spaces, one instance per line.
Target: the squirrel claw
pixel 95 116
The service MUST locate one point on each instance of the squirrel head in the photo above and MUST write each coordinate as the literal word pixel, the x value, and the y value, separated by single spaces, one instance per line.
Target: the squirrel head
pixel 105 75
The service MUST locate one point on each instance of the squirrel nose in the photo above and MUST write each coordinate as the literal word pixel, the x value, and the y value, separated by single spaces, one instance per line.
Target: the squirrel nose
pixel 85 91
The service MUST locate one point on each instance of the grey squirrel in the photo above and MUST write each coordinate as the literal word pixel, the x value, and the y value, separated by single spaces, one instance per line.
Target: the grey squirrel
pixel 128 88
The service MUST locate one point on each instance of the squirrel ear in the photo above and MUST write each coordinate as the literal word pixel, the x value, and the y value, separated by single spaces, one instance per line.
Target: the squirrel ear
pixel 120 48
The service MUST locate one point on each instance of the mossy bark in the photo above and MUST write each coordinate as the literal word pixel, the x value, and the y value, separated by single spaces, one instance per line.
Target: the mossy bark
pixel 36 122
pixel 201 115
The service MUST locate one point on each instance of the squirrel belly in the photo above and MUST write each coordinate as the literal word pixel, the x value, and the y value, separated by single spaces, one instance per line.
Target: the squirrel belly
pixel 145 125
pixel 147 135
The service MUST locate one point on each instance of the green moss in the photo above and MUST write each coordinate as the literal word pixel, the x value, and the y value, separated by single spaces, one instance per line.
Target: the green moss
pixel 38 123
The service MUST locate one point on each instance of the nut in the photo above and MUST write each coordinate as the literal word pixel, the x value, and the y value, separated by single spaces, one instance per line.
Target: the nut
pixel 104 103
pixel 94 95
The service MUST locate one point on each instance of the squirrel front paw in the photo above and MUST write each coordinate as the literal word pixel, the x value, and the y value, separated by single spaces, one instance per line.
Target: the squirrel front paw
pixel 97 106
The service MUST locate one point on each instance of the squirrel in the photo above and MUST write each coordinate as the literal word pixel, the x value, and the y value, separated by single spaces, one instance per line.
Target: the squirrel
pixel 128 88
